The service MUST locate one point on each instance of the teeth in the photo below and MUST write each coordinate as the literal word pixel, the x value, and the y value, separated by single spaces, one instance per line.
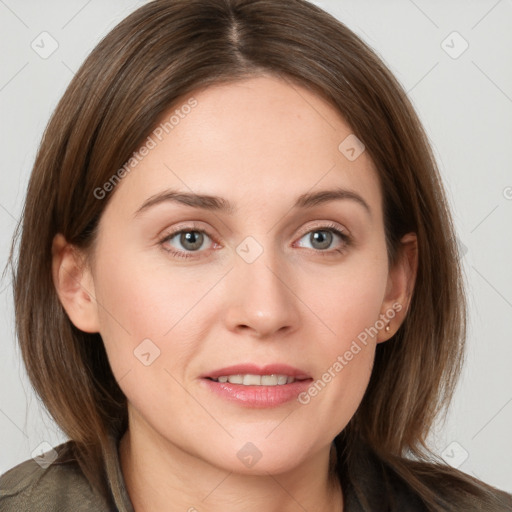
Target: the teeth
pixel 269 380
pixel 257 380
pixel 252 380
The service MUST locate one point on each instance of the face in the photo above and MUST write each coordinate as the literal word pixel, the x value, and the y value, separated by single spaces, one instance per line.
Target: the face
pixel 274 284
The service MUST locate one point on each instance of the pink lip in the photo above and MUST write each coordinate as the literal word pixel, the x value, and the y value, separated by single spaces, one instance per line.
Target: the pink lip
pixel 258 396
pixel 249 368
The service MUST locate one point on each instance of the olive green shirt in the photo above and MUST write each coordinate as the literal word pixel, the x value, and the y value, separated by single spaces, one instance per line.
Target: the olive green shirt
pixel 62 487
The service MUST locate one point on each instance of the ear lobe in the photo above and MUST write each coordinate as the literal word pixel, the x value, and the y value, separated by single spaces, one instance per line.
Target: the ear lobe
pixel 400 286
pixel 74 285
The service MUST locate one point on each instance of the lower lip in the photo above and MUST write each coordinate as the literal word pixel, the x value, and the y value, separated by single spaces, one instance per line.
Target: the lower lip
pixel 258 396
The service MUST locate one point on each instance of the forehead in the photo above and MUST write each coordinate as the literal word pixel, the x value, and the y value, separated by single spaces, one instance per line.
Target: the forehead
pixel 260 139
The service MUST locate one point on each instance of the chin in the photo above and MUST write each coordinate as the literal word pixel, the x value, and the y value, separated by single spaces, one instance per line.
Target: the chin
pixel 260 456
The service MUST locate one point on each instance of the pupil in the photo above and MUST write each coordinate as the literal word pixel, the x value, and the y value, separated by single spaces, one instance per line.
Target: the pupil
pixel 191 237
pixel 320 236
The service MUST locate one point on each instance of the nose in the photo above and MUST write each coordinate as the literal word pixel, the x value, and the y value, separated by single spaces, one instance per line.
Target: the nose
pixel 261 301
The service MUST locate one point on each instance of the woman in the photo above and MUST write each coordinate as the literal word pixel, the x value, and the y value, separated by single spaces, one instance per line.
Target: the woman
pixel 296 353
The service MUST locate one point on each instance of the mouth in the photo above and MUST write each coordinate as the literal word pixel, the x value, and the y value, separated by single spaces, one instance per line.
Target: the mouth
pixel 259 387
pixel 250 379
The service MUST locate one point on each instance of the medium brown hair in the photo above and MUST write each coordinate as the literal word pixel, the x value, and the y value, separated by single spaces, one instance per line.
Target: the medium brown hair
pixel 160 53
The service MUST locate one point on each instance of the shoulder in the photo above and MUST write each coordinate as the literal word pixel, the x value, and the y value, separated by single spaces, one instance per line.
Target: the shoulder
pixel 456 490
pixel 58 487
pixel 433 486
pixel 396 484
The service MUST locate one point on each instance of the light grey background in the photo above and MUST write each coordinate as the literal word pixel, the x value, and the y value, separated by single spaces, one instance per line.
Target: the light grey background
pixel 465 104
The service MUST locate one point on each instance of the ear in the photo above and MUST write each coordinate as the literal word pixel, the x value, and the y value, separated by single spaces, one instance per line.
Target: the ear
pixel 74 285
pixel 400 286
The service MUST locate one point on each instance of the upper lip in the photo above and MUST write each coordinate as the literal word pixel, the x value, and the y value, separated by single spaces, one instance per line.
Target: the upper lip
pixel 253 369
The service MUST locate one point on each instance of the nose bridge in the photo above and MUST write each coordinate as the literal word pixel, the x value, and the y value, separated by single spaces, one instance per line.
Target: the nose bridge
pixel 261 298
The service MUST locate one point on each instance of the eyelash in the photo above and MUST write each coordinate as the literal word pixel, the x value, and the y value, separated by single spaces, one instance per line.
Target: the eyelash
pixel 347 240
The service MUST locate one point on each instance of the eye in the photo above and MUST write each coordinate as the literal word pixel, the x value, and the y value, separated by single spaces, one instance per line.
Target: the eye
pixel 322 238
pixel 190 242
pixel 190 239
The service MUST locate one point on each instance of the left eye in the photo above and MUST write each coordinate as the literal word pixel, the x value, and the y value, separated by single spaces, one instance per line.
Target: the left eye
pixel 322 238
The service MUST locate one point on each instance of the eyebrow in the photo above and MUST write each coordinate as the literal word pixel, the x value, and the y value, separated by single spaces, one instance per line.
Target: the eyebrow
pixel 220 204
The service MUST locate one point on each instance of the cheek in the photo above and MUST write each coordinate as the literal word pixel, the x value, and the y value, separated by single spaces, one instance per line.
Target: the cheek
pixel 141 309
pixel 348 305
pixel 348 299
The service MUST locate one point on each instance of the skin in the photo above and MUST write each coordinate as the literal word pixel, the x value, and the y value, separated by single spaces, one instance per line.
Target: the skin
pixel 260 143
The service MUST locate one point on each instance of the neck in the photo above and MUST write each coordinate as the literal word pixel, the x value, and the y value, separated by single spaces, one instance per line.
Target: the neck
pixel 158 474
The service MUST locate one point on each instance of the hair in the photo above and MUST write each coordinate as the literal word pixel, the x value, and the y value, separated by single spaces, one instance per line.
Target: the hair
pixel 159 54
